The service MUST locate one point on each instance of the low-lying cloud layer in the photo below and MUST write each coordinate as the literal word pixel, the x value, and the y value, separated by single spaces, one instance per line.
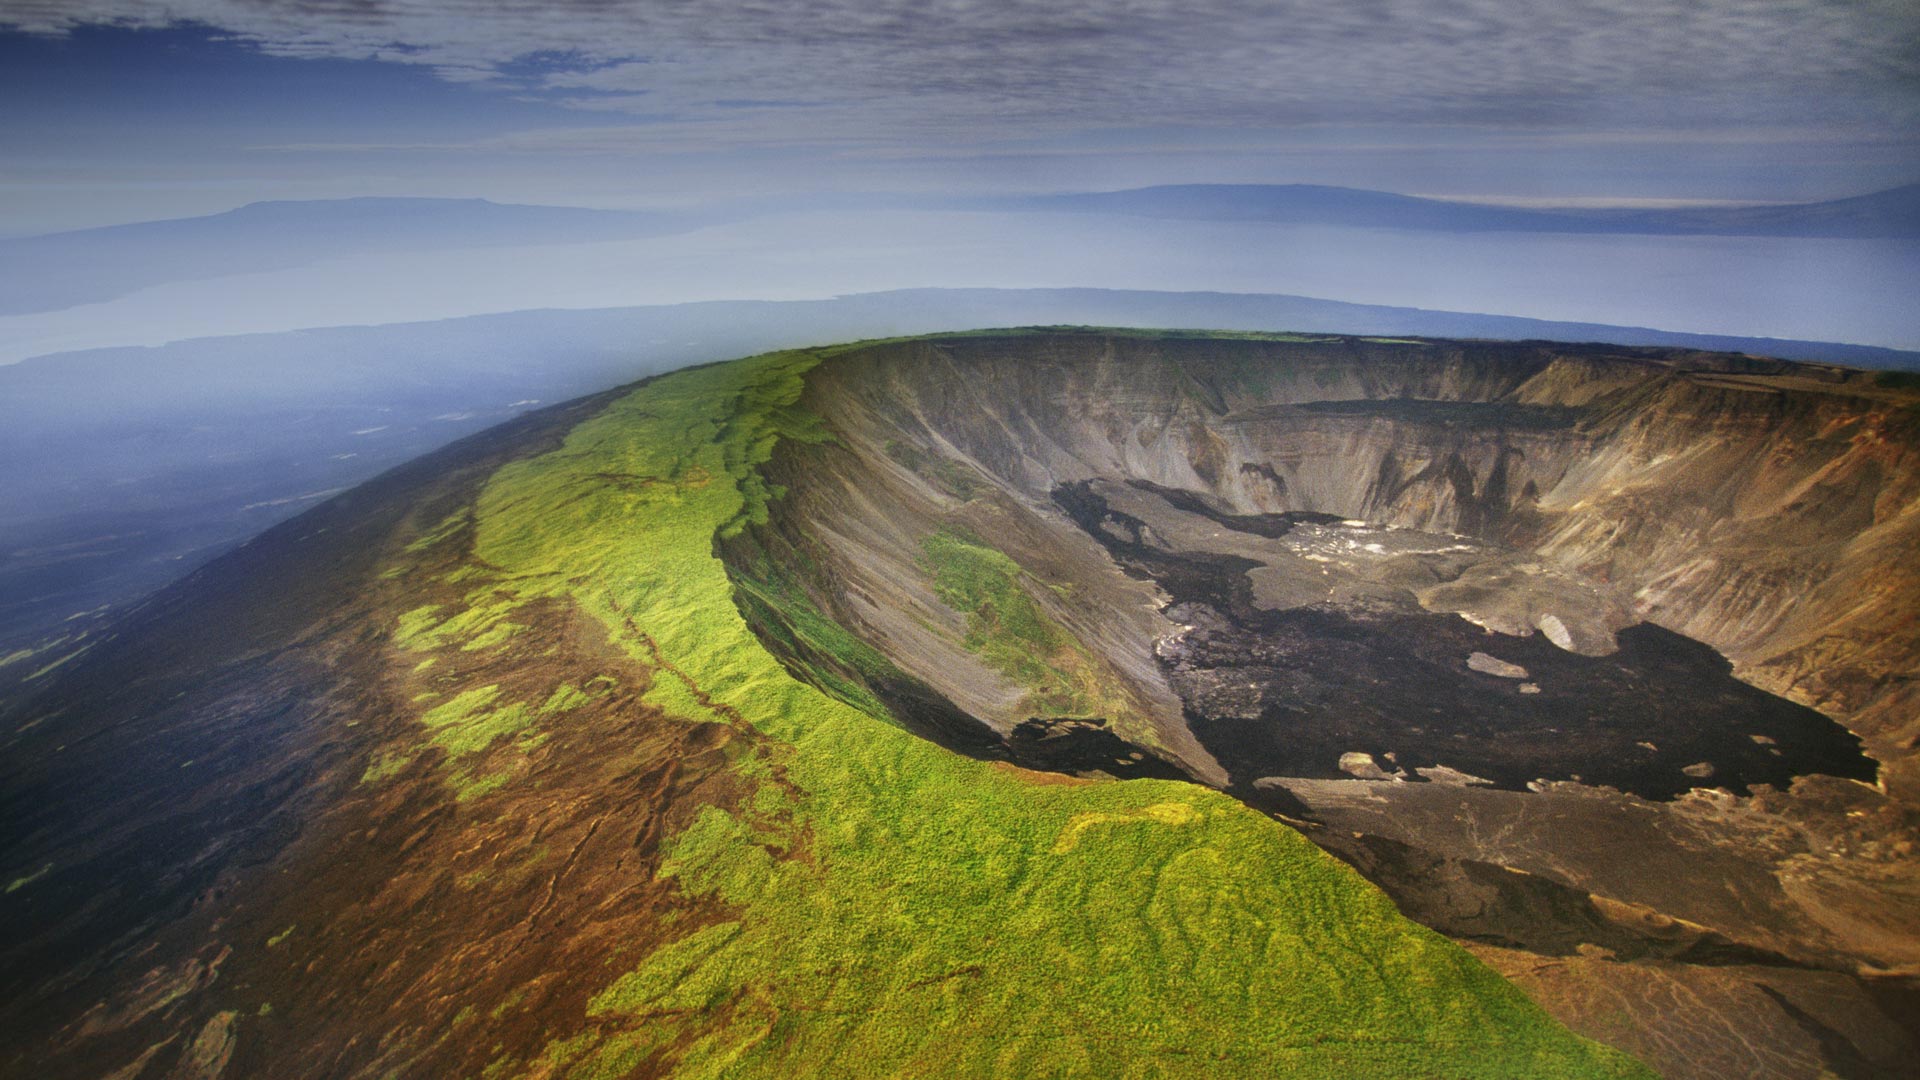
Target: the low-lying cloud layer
pixel 920 71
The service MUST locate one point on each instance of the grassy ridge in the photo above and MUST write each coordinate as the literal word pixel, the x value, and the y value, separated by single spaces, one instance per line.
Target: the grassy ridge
pixel 898 910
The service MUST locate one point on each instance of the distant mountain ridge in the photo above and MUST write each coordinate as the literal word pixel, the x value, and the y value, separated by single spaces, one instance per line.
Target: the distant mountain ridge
pixel 60 270
pixel 1890 214
pixel 57 270
pixel 414 214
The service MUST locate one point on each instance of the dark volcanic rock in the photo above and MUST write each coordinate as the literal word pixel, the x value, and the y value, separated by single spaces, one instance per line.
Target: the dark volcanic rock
pixel 1083 746
pixel 1286 693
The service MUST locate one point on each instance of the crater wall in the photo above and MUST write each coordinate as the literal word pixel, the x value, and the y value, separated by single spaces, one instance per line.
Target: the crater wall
pixel 1767 509
pixel 1242 557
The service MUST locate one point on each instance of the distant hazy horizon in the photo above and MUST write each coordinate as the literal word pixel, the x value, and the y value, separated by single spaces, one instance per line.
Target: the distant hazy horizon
pixel 1852 291
pixel 100 214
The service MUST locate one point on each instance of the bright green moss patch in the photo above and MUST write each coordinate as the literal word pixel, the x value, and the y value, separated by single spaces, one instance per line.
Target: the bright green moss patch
pixel 468 723
pixel 448 525
pixel 481 625
pixel 25 880
pixel 415 626
pixel 464 704
pixel 1166 813
pixel 614 1057
pixel 465 726
pixel 836 661
pixel 676 976
pixel 478 623
pixel 1010 632
pixel 495 634
pixel 563 1052
pixel 564 697
pixel 893 909
pixel 385 765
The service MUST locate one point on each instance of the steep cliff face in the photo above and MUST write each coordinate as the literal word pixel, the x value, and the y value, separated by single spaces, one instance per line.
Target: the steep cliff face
pixel 1766 509
pixel 1390 589
pixel 1774 518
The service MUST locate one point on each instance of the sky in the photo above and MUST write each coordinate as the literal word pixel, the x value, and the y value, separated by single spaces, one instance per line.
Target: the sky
pixel 124 110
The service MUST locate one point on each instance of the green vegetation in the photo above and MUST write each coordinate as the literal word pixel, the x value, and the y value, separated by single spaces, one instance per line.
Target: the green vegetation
pixel 416 626
pixel 25 880
pixel 49 669
pixel 385 765
pixel 475 720
pixel 468 723
pixel 448 525
pixel 481 625
pixel 778 608
pixel 468 786
pixel 1012 634
pixel 465 725
pixel 893 909
pixel 31 651
pixel 565 697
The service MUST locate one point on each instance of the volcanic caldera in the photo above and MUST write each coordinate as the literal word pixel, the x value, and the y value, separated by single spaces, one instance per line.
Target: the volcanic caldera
pixel 957 706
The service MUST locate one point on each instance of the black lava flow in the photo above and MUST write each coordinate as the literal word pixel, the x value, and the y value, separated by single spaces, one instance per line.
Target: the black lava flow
pixel 1286 693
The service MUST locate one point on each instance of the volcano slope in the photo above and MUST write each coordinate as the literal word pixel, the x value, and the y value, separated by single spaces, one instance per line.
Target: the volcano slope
pixel 860 710
pixel 478 771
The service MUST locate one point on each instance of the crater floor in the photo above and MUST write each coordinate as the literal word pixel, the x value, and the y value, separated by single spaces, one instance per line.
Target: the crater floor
pixel 1306 648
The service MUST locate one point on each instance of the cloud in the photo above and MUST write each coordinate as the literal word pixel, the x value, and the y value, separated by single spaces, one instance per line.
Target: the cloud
pixel 916 72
